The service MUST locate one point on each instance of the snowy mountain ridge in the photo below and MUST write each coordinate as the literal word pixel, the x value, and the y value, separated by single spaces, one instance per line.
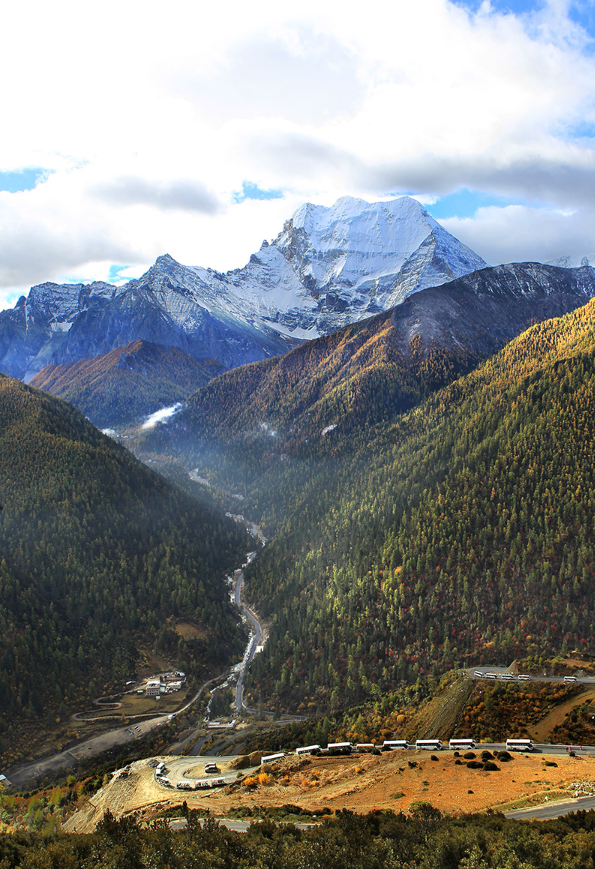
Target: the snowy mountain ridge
pixel 332 266
pixel 329 266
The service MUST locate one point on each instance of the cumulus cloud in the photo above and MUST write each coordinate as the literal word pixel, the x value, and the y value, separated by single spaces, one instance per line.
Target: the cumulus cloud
pixel 150 120
pixel 566 176
pixel 186 194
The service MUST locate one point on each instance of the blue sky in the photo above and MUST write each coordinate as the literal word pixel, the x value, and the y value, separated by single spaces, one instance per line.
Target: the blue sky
pixel 202 147
pixel 250 190
pixel 582 11
pixel 22 179
pixel 464 203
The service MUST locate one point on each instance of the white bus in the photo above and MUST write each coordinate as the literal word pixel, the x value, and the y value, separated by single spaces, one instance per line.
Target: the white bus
pixel 568 679
pixel 217 782
pixel 202 783
pixel 308 749
pixel 395 743
pixel 428 744
pixel 185 785
pixel 160 768
pixel 461 744
pixel 269 758
pixel 340 747
pixel 519 745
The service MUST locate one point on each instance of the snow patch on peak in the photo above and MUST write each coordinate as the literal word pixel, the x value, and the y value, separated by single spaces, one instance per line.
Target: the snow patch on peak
pixel 318 218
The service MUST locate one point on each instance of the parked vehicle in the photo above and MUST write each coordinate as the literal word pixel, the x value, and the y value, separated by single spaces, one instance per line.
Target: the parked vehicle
pixel 340 747
pixel 269 758
pixel 519 745
pixel 461 744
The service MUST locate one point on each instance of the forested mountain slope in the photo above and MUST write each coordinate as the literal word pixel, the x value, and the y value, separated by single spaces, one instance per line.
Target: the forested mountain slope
pixel 463 532
pixel 371 371
pixel 97 553
pixel 128 383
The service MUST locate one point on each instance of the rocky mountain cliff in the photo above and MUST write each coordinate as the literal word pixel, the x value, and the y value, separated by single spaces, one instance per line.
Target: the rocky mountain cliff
pixel 327 268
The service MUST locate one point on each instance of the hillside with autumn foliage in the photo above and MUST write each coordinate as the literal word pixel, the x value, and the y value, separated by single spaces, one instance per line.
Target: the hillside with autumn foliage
pixel 461 533
pixel 121 387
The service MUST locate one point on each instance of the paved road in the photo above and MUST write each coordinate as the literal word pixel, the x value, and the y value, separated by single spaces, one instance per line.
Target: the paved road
pixel 553 810
pixel 499 672
pixel 540 748
pixel 69 759
pixel 254 642
pixel 196 749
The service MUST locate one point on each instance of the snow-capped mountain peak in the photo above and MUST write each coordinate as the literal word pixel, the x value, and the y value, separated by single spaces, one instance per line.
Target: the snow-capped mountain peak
pixel 329 266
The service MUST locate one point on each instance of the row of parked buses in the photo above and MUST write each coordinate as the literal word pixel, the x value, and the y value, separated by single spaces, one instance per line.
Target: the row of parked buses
pixel 335 748
pixel 521 677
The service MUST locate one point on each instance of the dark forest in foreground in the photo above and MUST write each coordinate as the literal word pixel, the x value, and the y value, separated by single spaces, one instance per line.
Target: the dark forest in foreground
pixel 380 840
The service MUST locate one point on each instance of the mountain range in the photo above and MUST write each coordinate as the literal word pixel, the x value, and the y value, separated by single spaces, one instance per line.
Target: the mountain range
pixel 410 427
pixel 375 369
pixel 326 268
pixel 403 544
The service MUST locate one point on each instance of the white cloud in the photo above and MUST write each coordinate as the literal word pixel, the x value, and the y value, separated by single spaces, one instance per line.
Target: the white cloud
pixel 151 117
pixel 523 234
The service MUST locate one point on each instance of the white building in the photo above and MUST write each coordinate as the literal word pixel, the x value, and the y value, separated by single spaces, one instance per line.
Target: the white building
pixel 154 687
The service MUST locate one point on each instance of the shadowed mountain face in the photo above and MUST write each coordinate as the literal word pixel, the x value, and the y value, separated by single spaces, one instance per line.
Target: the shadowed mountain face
pixel 58 324
pixel 125 385
pixel 327 268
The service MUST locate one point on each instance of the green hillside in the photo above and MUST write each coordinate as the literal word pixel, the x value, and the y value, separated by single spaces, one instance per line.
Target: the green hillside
pixel 98 556
pixel 463 532
pixel 128 383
